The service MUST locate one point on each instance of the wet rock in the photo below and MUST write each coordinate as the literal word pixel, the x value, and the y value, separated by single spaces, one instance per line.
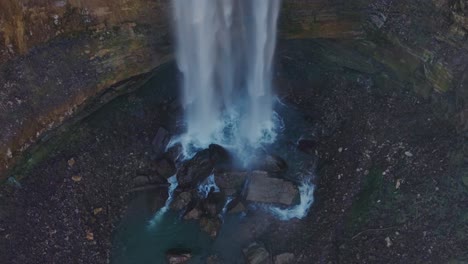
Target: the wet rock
pixel 176 256
pixel 265 189
pixel 219 155
pixel 230 182
pixel 195 170
pixel 285 258
pixel 181 201
pixel 271 163
pixel 257 254
pixel 165 167
pixel 210 225
pixel 160 141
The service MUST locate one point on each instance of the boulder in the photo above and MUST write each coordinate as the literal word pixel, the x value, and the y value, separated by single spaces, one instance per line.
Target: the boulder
pixel 165 167
pixel 230 182
pixel 265 189
pixel 181 201
pixel 285 258
pixel 210 225
pixel 176 256
pixel 195 170
pixel 160 141
pixel 256 253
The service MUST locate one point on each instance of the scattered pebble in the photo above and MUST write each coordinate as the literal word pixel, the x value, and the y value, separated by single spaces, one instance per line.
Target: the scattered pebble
pixel 71 162
pixel 76 178
pixel 97 210
pixel 388 241
pixel 398 183
pixel 89 235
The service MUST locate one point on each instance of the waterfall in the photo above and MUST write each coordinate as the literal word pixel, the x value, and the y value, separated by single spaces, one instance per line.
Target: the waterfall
pixel 225 51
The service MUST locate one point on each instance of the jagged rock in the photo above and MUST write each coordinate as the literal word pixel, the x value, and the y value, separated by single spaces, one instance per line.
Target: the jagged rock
pixel 285 258
pixel 165 167
pixel 265 189
pixel 257 254
pixel 195 170
pixel 210 225
pixel 230 182
pixel 181 201
pixel 176 256
pixel 160 141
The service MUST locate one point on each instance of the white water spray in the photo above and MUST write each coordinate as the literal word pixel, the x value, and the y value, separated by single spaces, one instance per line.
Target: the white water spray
pixel 159 214
pixel 225 51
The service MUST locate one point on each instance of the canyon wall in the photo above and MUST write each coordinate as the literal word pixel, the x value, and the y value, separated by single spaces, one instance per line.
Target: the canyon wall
pixel 56 57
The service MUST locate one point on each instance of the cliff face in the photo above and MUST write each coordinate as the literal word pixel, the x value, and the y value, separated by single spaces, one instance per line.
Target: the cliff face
pixel 56 56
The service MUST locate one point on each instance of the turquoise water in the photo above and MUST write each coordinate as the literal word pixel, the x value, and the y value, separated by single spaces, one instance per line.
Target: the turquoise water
pixel 136 243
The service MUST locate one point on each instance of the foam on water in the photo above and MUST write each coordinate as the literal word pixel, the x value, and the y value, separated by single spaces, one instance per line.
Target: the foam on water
pixel 306 191
pixel 159 214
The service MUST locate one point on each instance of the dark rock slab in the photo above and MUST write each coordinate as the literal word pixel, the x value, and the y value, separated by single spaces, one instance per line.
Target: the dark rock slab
pixel 266 189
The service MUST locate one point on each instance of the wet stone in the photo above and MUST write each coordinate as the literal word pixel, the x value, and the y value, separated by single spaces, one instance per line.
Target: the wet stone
pixel 265 189
pixel 256 253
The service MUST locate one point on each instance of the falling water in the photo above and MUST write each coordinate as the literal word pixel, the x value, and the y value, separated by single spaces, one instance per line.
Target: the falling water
pixel 159 214
pixel 225 52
